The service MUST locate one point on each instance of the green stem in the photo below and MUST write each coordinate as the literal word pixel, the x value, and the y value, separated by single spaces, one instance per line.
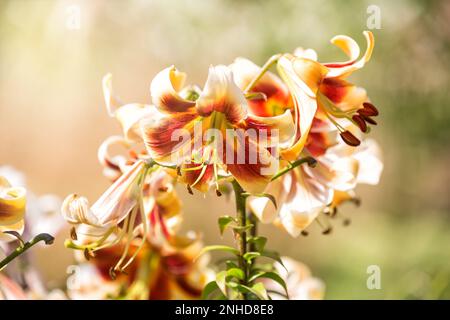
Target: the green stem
pixel 272 60
pixel 310 160
pixel 48 239
pixel 242 235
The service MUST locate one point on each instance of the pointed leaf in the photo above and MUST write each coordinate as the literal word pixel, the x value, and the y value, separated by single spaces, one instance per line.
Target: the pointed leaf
pixel 209 288
pixel 259 242
pixel 236 273
pixel 224 221
pixel 217 248
pixel 273 276
pixel 249 256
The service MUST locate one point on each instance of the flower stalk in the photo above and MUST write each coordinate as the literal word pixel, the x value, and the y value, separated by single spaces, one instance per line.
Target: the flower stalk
pixel 48 239
pixel 242 234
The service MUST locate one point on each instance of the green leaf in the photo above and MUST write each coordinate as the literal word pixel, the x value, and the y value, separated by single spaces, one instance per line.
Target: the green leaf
pixel 221 281
pixel 224 221
pixel 273 276
pixel 230 264
pixel 259 242
pixel 236 273
pixel 257 289
pixel 209 288
pixel 217 248
pixel 240 229
pixel 274 256
pixel 249 256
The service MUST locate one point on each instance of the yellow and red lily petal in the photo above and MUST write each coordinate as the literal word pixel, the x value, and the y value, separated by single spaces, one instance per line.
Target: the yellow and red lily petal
pixel 198 175
pixel 268 131
pixel 118 200
pixel 343 94
pixel 12 209
pixel 351 49
pixel 221 94
pixel 166 137
pixel 322 136
pixel 303 77
pixel 165 91
pixel 252 165
pixel 277 98
pixel 12 203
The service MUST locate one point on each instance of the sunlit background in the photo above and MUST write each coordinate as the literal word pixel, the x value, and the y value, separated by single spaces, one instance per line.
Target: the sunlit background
pixel 52 116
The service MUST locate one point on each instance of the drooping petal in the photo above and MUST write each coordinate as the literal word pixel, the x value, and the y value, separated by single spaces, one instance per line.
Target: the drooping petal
pixel 306 199
pixel 351 48
pixel 370 162
pixel 75 210
pixel 221 94
pixel 128 115
pixel 302 81
pixel 112 165
pixel 115 204
pixel 262 207
pixel 165 88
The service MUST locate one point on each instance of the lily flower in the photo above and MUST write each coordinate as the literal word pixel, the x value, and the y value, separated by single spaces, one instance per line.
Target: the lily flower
pixel 157 273
pixel 12 210
pixel 303 192
pixel 136 206
pixel 299 282
pixel 321 90
pixel 213 123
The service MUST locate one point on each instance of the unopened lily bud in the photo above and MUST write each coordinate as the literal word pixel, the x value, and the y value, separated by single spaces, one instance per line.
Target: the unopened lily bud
pixel 350 139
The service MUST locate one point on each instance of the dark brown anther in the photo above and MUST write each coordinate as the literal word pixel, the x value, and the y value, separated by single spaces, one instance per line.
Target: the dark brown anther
pixel 179 171
pixel 73 234
pixel 327 231
pixel 346 222
pixel 304 233
pixel 87 255
pixel 218 193
pixel 350 139
pixel 360 122
pixel 370 109
pixel 163 189
pixel 356 201
pixel 369 120
pixel 189 189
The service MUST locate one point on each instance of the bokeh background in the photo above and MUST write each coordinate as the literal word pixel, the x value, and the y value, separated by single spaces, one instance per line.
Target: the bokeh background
pixel 52 116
